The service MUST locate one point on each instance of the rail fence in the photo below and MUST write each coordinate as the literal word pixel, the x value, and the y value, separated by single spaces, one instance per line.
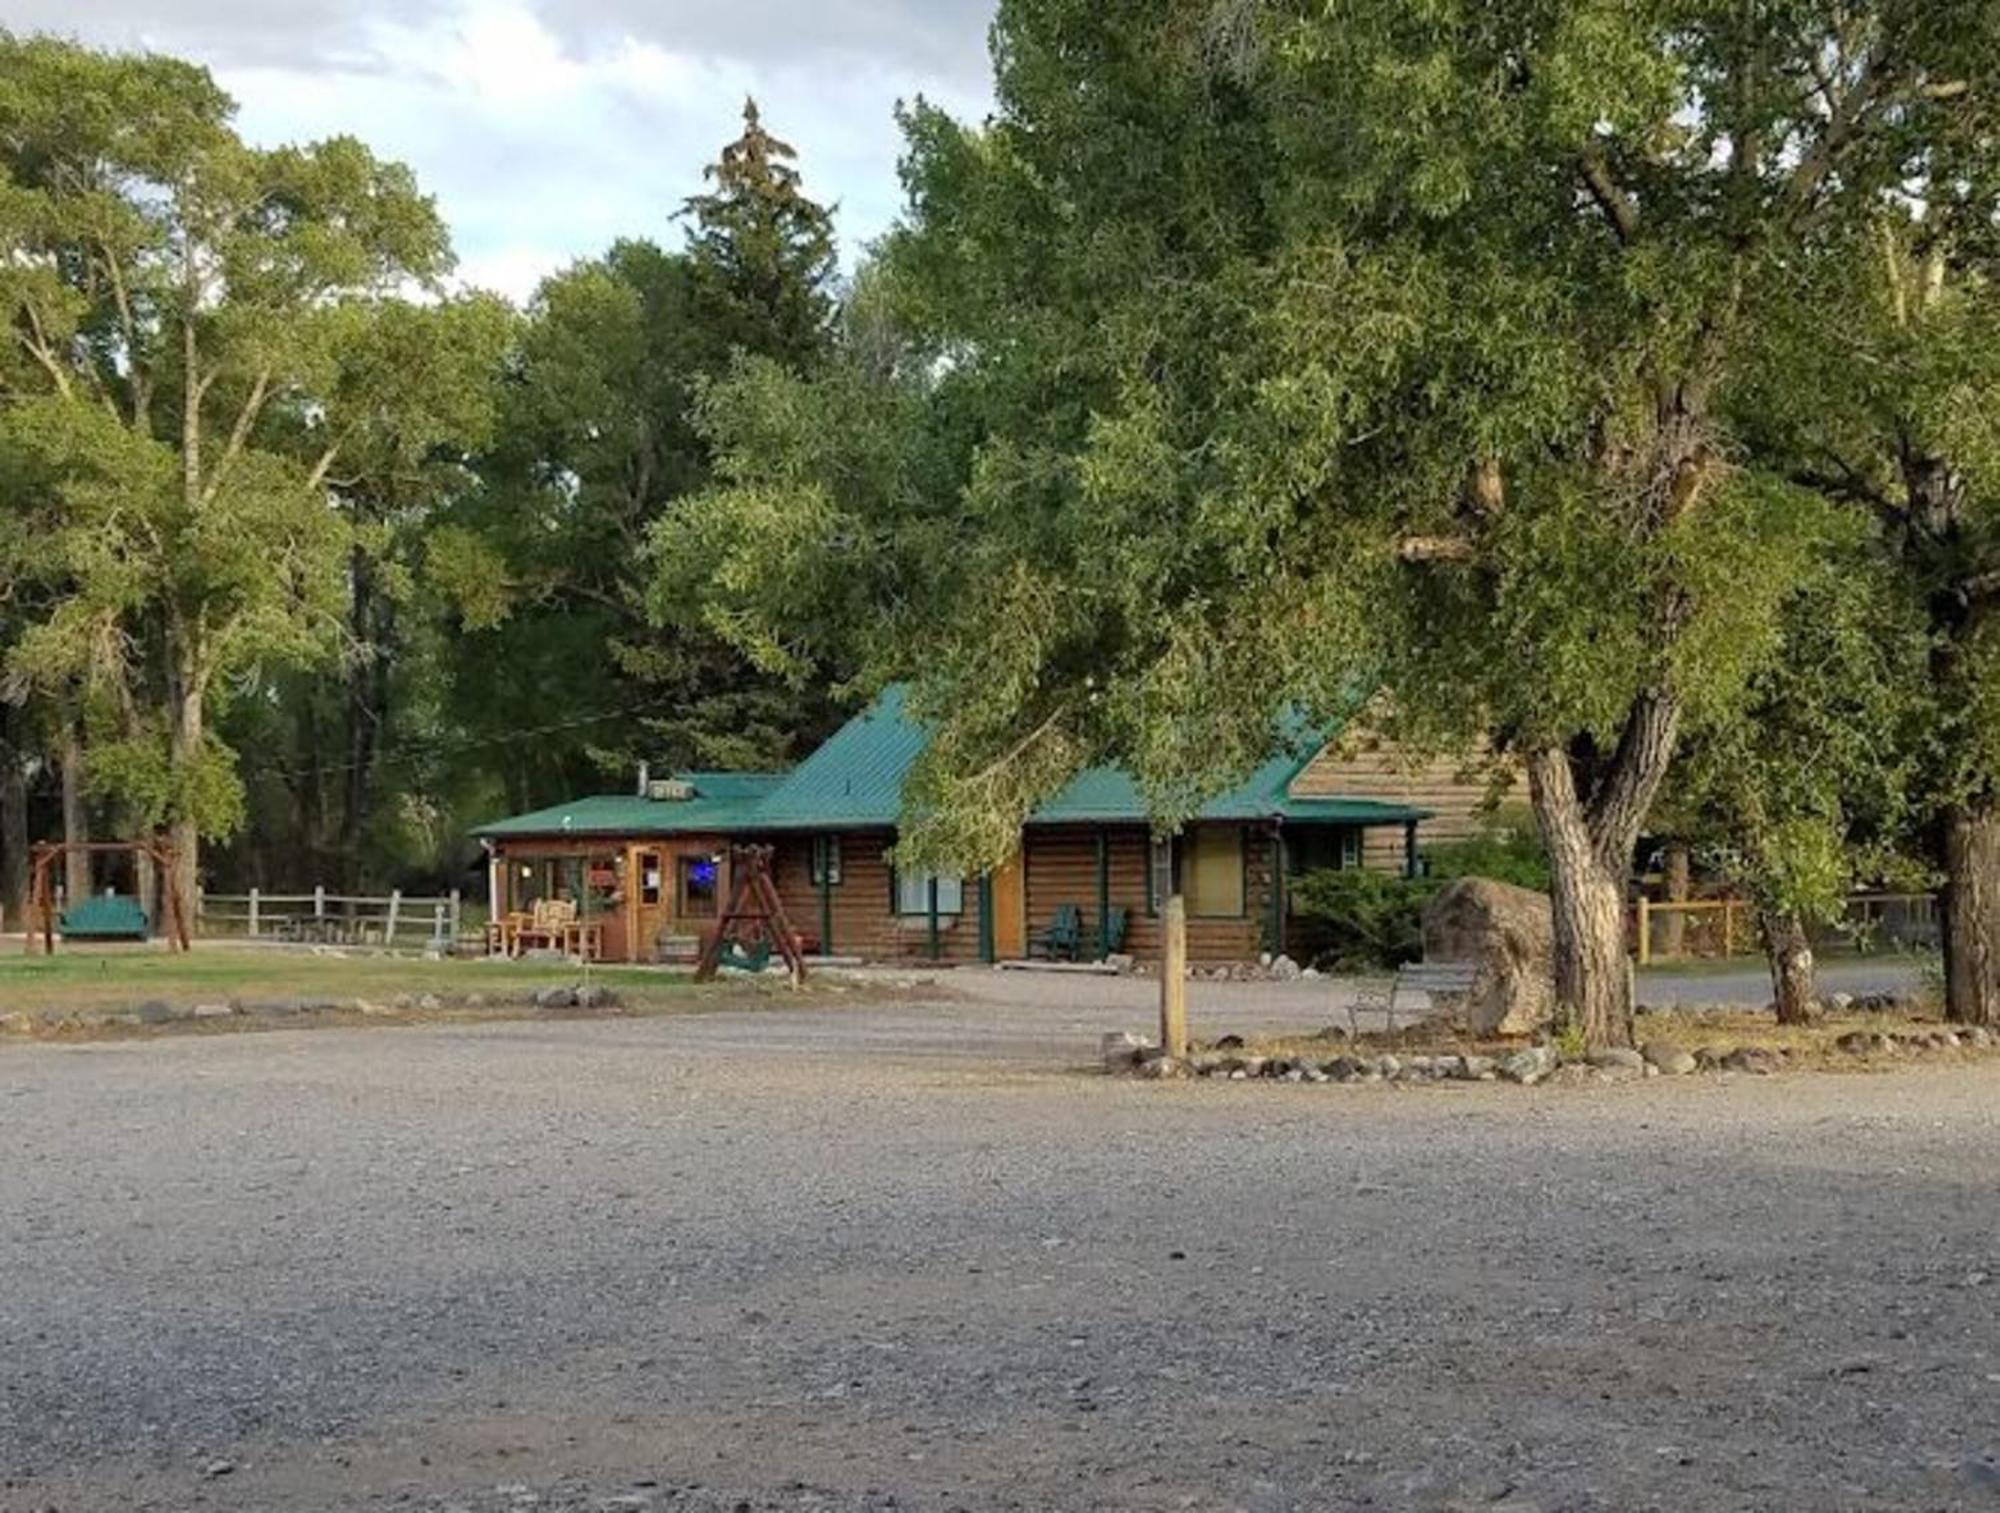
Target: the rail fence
pixel 342 919
pixel 1722 927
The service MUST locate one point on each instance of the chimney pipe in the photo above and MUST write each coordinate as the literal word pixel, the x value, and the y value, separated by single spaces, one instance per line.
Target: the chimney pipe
pixel 645 778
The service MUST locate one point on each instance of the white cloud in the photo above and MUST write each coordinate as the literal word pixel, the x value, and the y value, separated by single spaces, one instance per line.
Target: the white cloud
pixel 549 130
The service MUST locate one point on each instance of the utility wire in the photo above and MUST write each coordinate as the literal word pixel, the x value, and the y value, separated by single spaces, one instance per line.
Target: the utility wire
pixel 484 743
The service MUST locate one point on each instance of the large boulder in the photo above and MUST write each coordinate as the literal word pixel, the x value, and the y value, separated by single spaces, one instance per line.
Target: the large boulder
pixel 1508 935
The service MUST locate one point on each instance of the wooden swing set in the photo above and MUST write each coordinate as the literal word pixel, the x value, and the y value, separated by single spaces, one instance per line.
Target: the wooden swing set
pixel 755 923
pixel 124 922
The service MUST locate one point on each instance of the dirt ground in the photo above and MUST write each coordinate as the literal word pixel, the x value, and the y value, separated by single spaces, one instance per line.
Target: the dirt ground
pixel 862 1257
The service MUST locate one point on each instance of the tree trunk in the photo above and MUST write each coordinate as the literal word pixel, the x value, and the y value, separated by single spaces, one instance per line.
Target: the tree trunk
pixel 1670 941
pixel 367 711
pixel 1970 915
pixel 13 824
pixel 77 870
pixel 1587 900
pixel 1788 949
pixel 185 738
pixel 1590 830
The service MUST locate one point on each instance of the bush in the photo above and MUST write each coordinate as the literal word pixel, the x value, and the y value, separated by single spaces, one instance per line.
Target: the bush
pixel 1350 919
pixel 1508 849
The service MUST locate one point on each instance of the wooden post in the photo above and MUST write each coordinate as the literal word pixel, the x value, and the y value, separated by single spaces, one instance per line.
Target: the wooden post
pixel 437 926
pixel 1728 928
pixel 319 900
pixel 456 904
pixel 934 946
pixel 395 910
pixel 1173 977
pixel 1645 930
pixel 254 909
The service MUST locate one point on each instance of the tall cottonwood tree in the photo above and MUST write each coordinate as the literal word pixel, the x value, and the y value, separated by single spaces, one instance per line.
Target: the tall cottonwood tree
pixel 1322 343
pixel 1810 787
pixel 1882 394
pixel 172 297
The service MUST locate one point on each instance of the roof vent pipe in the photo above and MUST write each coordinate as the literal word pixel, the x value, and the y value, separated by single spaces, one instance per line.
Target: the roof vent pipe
pixel 645 778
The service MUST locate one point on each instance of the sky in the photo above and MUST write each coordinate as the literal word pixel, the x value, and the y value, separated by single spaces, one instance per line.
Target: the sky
pixel 549 128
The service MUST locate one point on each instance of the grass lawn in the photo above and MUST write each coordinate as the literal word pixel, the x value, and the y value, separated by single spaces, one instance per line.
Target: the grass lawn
pixel 218 973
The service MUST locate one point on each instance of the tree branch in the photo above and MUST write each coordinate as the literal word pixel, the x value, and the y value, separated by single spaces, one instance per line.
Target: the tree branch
pixel 239 434
pixel 1612 200
pixel 37 343
pixel 1638 766
pixel 142 381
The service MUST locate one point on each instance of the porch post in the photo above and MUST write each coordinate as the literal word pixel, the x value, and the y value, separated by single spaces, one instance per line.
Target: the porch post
pixel 988 954
pixel 1103 894
pixel 1409 848
pixel 825 844
pixel 1277 890
pixel 932 898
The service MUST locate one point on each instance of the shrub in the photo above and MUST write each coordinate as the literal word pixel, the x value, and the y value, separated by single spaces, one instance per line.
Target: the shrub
pixel 1507 849
pixel 1349 919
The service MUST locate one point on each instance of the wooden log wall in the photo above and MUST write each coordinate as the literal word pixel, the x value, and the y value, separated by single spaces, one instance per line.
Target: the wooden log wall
pixel 1361 766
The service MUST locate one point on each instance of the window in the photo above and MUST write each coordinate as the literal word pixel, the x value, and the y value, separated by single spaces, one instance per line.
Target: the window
pixel 1320 848
pixel 826 861
pixel 649 877
pixel 698 875
pixel 1212 871
pixel 913 893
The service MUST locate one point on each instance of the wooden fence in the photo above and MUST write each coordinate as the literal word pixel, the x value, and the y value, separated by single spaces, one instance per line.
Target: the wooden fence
pixel 320 917
pixel 1719 927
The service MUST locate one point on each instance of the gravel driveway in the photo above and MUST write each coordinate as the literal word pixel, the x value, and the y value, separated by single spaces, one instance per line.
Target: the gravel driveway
pixel 790 1259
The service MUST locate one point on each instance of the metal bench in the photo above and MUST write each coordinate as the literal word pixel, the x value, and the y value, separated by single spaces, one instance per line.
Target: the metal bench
pixel 1434 979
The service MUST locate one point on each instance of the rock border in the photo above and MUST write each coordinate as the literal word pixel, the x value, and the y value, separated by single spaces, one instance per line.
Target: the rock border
pixel 1132 1055
pixel 157 1013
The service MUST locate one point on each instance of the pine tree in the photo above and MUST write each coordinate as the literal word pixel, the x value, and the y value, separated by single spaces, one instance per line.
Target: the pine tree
pixel 763 251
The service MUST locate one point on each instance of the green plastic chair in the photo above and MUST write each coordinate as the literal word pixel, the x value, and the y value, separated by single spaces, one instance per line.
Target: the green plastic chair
pixel 1062 938
pixel 1117 919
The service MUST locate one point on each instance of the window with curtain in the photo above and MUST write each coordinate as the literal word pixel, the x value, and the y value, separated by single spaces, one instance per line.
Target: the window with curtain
pixel 1212 871
pixel 913 893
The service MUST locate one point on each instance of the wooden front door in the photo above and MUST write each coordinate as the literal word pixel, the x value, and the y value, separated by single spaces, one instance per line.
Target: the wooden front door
pixel 652 894
pixel 1010 909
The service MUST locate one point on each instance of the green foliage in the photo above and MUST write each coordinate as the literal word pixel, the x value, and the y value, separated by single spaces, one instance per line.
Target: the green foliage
pixel 1808 788
pixel 198 327
pixel 1353 919
pixel 1506 849
pixel 640 376
pixel 1295 347
pixel 762 251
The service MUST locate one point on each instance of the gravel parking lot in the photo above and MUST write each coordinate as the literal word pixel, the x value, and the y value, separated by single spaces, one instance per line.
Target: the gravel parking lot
pixel 905 1257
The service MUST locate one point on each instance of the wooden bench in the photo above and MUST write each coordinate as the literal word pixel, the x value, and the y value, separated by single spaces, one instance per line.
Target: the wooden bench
pixel 1434 979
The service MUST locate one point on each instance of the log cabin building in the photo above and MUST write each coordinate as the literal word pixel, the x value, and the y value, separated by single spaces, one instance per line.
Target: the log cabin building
pixel 651 869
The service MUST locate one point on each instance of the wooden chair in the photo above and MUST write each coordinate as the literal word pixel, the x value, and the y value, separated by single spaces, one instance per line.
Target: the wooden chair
pixel 1063 936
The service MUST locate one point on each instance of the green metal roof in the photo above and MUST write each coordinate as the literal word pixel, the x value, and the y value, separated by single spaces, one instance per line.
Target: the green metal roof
pixel 722 801
pixel 1104 795
pixel 855 781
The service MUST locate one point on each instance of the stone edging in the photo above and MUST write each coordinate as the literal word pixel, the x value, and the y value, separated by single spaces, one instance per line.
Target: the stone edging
pixel 1130 1055
pixel 158 1012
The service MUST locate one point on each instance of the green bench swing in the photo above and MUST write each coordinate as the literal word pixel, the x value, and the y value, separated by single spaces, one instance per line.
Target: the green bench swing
pixel 107 916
